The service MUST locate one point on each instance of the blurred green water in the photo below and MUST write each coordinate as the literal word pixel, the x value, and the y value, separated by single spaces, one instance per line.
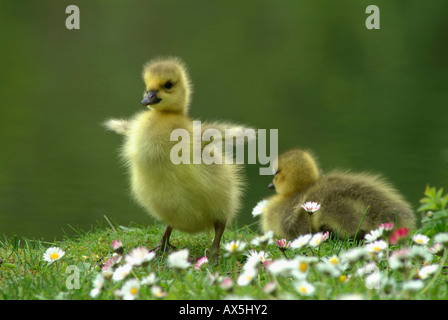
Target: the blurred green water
pixel 363 99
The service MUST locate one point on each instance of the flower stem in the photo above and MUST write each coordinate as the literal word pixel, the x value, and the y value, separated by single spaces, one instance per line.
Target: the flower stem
pixel 439 270
pixel 309 216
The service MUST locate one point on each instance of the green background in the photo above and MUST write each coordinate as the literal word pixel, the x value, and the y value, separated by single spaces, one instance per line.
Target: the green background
pixel 362 99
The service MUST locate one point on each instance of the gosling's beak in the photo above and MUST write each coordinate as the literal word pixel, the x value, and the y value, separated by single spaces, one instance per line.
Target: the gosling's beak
pixel 150 98
pixel 271 186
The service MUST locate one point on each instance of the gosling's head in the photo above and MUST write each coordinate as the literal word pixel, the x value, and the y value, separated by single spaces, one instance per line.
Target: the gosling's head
pixel 296 170
pixel 167 85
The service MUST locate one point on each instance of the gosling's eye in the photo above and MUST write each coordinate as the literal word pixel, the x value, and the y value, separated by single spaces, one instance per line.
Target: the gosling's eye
pixel 276 172
pixel 168 85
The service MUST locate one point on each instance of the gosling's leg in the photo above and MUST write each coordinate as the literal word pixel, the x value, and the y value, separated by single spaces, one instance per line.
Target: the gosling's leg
pixel 219 230
pixel 164 243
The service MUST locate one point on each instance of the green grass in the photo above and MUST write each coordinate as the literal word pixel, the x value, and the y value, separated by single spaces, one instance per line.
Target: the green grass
pixel 25 275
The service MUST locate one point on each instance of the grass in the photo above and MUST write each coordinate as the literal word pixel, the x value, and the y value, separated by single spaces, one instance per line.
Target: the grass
pixel 25 275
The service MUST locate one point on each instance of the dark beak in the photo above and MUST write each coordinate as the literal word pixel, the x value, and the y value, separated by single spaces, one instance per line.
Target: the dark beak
pixel 150 98
pixel 271 186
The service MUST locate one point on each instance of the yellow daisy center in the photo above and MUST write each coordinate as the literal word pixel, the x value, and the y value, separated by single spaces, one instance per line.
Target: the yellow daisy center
pixel 134 291
pixel 54 256
pixel 234 246
pixel 303 289
pixel 343 278
pixel 303 266
pixel 376 249
pixel 334 261
pixel 419 241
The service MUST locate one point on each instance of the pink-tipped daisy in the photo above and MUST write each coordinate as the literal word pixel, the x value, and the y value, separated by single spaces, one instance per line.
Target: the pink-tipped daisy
pixel 200 263
pixel 310 206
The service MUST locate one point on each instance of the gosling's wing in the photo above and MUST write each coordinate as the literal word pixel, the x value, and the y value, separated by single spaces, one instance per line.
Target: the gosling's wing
pixel 119 126
pixel 229 131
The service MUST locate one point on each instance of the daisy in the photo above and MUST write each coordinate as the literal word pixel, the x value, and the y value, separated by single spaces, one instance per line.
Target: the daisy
pixel 376 246
pixel 427 271
pixel 387 226
pixel 139 256
pixel 304 288
pixel 226 284
pixel 374 235
pixel 263 240
pixel 258 209
pixel 149 280
pixel 301 266
pixel 234 247
pixel 355 254
pixel 436 248
pixel 398 235
pixel 130 289
pixel 328 270
pixel 53 254
pixel 373 280
pixel 200 263
pixel 260 256
pixel 301 241
pixel 270 287
pixel 121 272
pixel 412 285
pixel 117 246
pixel 326 235
pixel 316 240
pixel 283 244
pixel 310 207
pixel 421 253
pixel 158 292
pixel 246 277
pixel 442 238
pixel 179 260
pixel 420 239
pixel 335 261
pixel 282 267
pixel 98 284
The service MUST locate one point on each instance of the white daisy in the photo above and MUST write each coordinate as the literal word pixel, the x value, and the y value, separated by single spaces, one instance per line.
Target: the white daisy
pixel 413 285
pixel 304 288
pixel 301 241
pixel 158 292
pixel 420 239
pixel 442 238
pixel 246 277
pixel 130 290
pixel 316 240
pixel 98 284
pixel 139 256
pixel 264 240
pixel 282 267
pixel 427 271
pixel 421 253
pixel 53 254
pixel 121 272
pixel 234 247
pixel 149 280
pixel 328 270
pixel 258 209
pixel 179 260
pixel 355 254
pixel 374 234
pixel 376 246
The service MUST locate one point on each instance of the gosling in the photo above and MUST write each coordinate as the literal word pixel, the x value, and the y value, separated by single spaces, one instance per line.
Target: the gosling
pixel 344 198
pixel 188 197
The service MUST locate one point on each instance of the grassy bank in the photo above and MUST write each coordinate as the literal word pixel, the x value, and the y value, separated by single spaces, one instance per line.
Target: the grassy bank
pixel 25 274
